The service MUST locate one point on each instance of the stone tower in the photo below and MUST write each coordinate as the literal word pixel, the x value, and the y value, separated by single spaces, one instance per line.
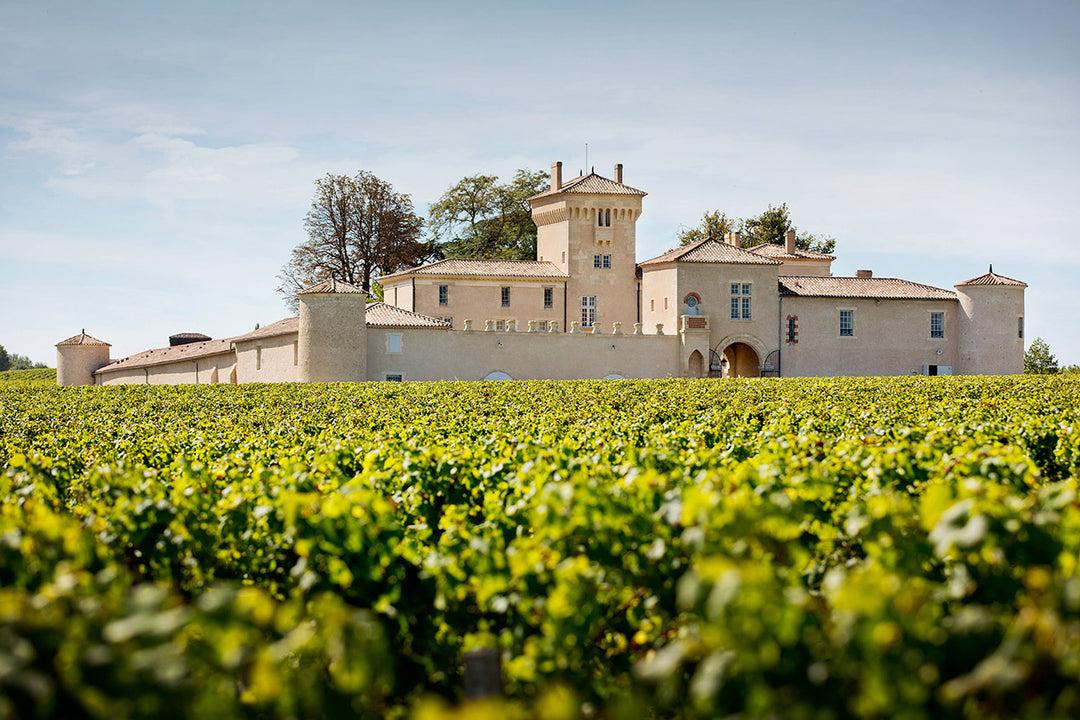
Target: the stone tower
pixel 587 226
pixel 78 357
pixel 332 338
pixel 991 325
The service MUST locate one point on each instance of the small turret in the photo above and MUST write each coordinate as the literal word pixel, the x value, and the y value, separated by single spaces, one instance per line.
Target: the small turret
pixel 332 337
pixel 991 325
pixel 78 357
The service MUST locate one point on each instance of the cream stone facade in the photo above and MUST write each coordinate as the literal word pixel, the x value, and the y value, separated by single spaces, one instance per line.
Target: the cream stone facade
pixel 585 308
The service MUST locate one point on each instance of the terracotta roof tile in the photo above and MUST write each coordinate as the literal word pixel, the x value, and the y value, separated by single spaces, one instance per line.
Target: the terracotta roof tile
pixel 711 251
pixel 780 253
pixel 161 356
pixel 82 339
pixel 992 278
pixel 383 315
pixel 281 327
pixel 462 267
pixel 331 285
pixel 592 184
pixel 856 287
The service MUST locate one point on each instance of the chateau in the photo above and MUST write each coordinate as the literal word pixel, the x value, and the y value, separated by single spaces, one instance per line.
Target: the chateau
pixel 586 308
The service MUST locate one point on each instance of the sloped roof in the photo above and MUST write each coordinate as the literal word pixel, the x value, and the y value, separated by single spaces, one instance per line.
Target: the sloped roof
pixel 331 285
pixel 992 278
pixel 856 287
pixel 382 315
pixel 281 327
pixel 161 356
pixel 591 184
pixel 463 267
pixel 82 339
pixel 780 253
pixel 711 251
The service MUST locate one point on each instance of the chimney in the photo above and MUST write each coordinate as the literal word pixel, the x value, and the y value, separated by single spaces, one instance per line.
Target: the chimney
pixel 864 273
pixel 556 176
pixel 789 242
pixel 618 173
pixel 736 239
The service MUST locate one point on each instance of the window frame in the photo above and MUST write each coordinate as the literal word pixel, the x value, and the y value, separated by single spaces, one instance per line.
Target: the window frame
pixel 394 343
pixel 741 306
pixel 848 331
pixel 444 295
pixel 937 317
pixel 504 296
pixel 588 311
pixel 549 298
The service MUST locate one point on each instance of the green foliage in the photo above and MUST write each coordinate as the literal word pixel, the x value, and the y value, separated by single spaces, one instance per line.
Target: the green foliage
pixel 479 217
pixel 1038 360
pixel 358 228
pixel 40 377
pixel 768 227
pixel 17 362
pixel 848 548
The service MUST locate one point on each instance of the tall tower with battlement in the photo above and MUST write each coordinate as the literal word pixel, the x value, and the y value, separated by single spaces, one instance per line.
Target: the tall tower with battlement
pixel 587 227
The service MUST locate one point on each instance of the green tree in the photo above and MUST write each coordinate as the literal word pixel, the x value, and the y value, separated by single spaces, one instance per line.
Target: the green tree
pixel 5 361
pixel 1038 360
pixel 769 227
pixel 479 217
pixel 358 227
pixel 713 224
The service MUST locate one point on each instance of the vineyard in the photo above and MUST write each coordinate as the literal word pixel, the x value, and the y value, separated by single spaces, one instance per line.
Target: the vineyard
pixel 845 548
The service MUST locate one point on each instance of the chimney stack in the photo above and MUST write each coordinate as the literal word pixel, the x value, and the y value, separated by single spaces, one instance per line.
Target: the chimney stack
pixel 864 273
pixel 789 242
pixel 736 239
pixel 556 176
pixel 618 173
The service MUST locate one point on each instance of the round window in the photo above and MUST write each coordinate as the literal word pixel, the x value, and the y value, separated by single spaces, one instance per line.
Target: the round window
pixel 691 302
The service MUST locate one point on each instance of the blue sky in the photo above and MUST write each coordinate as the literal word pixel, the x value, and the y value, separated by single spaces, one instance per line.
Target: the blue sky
pixel 157 159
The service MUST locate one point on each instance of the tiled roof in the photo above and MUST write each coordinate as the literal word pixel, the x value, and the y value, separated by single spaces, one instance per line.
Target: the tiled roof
pixel 331 285
pixel 780 253
pixel 82 339
pixel 161 356
pixel 711 251
pixel 992 278
pixel 281 327
pixel 856 287
pixel 462 267
pixel 592 184
pixel 383 315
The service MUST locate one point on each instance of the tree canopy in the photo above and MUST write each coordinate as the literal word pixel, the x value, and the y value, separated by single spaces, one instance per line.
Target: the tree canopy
pixel 1038 360
pixel 768 227
pixel 15 361
pixel 479 217
pixel 358 227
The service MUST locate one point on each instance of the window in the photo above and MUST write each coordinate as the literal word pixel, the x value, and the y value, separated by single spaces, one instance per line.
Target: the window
pixel 937 325
pixel 549 297
pixel 740 301
pixel 793 330
pixel 447 320
pixel 393 378
pixel 500 325
pixel 665 303
pixel 588 310
pixel 607 262
pixel 599 218
pixel 542 325
pixel 652 305
pixel 444 294
pixel 1020 328
pixel 506 297
pixel 393 342
pixel 296 352
pixel 847 323
pixel 596 261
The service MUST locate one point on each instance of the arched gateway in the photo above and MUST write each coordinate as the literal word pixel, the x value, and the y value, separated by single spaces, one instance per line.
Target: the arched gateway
pixel 743 355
